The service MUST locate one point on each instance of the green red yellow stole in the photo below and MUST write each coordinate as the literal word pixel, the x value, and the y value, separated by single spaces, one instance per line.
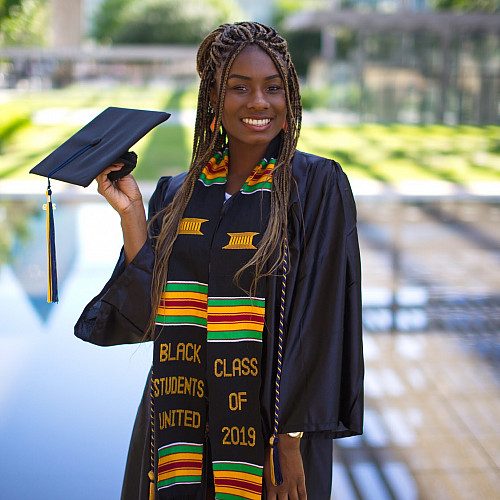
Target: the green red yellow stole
pixel 208 349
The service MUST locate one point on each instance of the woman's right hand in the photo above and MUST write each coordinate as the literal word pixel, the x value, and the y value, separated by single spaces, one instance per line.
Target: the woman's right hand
pixel 123 195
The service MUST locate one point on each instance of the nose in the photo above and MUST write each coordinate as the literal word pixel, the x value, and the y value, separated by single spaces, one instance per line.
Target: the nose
pixel 258 100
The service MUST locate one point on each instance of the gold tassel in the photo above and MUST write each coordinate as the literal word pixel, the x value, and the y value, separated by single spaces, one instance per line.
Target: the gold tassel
pixel 151 476
pixel 276 475
pixel 273 478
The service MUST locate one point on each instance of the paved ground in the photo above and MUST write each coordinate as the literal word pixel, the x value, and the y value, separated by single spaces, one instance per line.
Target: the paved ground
pixel 432 341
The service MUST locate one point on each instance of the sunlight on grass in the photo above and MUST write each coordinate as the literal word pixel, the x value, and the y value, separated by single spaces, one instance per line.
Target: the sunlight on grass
pixel 400 152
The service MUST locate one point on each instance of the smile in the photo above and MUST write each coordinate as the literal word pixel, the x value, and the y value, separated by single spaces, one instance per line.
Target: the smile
pixel 256 123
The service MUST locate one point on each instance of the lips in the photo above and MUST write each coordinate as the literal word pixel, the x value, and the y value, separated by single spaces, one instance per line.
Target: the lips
pixel 261 122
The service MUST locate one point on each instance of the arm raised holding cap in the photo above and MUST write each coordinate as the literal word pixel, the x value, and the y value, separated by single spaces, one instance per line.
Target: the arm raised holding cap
pixel 119 314
pixel 125 197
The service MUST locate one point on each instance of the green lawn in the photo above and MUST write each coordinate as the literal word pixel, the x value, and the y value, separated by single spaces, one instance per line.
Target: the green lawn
pixel 389 153
pixel 392 153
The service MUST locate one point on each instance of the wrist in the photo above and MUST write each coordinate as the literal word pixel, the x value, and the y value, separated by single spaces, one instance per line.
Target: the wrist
pixel 287 442
pixel 133 210
pixel 134 217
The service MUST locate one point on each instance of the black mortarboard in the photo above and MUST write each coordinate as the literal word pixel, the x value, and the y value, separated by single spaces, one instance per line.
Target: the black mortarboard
pixel 99 144
pixel 103 141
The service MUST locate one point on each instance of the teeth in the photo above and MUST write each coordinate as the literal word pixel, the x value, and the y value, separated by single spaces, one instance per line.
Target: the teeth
pixel 256 123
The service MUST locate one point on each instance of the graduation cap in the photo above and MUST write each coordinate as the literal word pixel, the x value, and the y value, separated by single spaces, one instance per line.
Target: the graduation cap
pixel 103 141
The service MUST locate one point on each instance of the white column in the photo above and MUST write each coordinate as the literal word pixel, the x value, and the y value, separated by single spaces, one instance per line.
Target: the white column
pixel 66 23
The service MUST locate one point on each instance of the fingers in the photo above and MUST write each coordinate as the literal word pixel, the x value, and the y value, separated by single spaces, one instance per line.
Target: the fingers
pixel 112 168
pixel 287 492
pixel 302 490
pixel 103 183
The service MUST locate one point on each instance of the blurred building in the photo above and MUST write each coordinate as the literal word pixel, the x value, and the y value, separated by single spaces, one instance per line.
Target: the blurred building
pixel 367 60
pixel 400 61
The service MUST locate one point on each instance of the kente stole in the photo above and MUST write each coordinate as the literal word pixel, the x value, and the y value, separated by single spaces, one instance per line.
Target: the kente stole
pixel 207 354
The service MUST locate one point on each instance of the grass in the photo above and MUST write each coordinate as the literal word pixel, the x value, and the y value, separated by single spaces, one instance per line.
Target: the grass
pixel 392 153
pixel 389 153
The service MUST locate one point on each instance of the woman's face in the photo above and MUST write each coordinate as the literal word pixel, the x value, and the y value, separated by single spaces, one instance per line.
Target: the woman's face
pixel 254 109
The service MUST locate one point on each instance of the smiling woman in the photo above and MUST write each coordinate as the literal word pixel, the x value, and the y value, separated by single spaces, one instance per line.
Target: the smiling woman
pixel 251 261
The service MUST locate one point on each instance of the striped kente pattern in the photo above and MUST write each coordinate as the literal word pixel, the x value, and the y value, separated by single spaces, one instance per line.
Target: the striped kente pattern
pixel 261 178
pixel 237 481
pixel 179 463
pixel 235 319
pixel 215 171
pixel 183 303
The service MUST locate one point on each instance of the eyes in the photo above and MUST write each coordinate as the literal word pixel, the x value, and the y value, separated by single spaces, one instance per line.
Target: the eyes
pixel 243 88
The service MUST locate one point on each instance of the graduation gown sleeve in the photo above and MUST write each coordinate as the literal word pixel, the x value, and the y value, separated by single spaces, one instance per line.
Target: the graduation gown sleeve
pixel 322 377
pixel 120 313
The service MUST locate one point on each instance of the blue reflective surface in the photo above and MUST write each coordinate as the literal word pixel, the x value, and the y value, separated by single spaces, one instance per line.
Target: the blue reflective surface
pixel 66 407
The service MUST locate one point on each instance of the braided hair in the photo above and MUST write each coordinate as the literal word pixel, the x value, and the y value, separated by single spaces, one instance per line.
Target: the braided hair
pixel 216 55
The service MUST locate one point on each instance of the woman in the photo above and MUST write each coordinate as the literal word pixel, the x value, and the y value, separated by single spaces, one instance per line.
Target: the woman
pixel 248 281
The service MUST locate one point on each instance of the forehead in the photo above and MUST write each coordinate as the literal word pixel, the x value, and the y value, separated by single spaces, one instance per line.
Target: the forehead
pixel 253 61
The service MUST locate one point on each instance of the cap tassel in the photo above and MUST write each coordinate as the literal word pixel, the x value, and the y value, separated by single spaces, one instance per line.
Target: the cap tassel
pixel 276 475
pixel 52 295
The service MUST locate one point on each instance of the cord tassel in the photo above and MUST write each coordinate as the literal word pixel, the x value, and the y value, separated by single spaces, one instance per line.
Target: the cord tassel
pixel 52 295
pixel 151 473
pixel 151 476
pixel 276 475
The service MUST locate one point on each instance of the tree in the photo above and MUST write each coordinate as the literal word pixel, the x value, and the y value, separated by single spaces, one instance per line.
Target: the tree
pixel 109 18
pixel 23 22
pixel 8 8
pixel 161 21
pixel 467 5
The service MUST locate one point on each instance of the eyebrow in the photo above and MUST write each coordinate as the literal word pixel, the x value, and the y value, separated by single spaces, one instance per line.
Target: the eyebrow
pixel 242 77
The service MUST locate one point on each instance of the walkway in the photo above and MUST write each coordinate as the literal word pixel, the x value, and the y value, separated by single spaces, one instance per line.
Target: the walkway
pixel 432 345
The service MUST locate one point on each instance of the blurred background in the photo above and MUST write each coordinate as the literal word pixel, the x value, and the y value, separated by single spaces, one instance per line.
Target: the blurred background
pixel 405 94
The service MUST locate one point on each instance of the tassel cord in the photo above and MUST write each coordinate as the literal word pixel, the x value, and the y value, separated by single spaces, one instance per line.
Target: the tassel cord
pixel 276 475
pixel 72 157
pixel 151 473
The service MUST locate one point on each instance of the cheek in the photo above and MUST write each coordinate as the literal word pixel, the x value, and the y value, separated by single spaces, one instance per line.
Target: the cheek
pixel 280 104
pixel 229 109
pixel 227 115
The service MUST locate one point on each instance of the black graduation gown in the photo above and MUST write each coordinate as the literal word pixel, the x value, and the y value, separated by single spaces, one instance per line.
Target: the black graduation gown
pixel 322 374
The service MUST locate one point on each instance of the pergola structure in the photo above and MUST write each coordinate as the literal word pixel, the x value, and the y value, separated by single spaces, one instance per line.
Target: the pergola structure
pixel 440 22
pixel 444 25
